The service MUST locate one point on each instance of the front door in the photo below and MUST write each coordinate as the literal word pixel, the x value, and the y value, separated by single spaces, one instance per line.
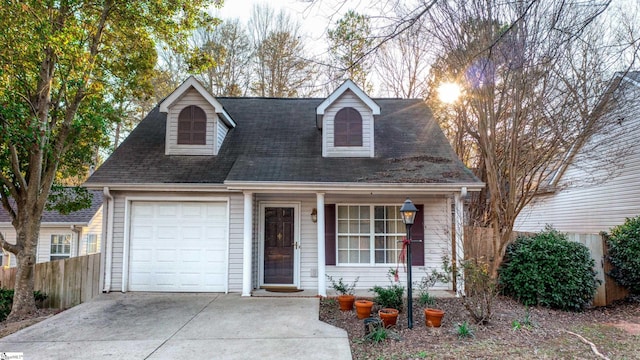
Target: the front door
pixel 279 245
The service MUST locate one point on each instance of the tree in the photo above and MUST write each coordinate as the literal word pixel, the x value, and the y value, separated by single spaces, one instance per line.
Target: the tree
pixel 229 47
pixel 537 85
pixel 60 70
pixel 349 45
pixel 281 68
pixel 403 63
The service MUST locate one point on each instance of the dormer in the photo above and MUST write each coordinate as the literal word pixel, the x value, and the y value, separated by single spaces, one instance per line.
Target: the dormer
pixel 197 124
pixel 346 118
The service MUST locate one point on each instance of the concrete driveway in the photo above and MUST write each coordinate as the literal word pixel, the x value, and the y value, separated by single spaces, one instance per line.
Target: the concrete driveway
pixel 183 326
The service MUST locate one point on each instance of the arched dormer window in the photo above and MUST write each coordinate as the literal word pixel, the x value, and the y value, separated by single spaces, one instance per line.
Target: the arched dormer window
pixel 348 127
pixel 192 126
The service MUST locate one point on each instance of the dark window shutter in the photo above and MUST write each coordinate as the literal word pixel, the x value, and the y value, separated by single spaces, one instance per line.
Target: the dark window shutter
pixel 417 233
pixel 192 126
pixel 330 234
pixel 347 128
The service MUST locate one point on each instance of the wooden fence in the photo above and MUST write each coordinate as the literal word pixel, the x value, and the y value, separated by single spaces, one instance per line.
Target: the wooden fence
pixel 478 243
pixel 66 283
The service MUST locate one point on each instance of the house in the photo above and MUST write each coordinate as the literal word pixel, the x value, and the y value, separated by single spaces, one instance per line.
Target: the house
pixel 598 187
pixel 236 194
pixel 61 236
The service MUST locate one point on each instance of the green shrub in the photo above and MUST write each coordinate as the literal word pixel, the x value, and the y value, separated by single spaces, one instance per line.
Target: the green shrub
pixel 390 296
pixel 548 270
pixel 6 301
pixel 624 254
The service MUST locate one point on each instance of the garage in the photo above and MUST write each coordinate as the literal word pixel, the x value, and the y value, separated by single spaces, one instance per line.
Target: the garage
pixel 178 246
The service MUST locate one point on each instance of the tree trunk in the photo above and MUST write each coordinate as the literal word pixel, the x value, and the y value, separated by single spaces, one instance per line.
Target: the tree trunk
pixel 23 300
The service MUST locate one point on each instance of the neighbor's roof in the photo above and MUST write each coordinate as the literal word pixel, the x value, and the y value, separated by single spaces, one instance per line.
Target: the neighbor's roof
pixel 276 140
pixel 80 217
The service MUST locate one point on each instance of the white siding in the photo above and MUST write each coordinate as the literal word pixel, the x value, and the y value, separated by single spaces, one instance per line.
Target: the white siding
pixel 222 133
pixel 348 99
pixel 236 238
pixel 43 252
pixel 191 97
pixel 93 228
pixel 593 201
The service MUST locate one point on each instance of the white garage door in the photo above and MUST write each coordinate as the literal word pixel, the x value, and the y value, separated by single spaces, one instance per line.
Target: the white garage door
pixel 178 246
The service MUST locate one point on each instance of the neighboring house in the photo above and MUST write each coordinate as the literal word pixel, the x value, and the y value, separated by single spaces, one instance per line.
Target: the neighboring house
pixel 598 189
pixel 61 236
pixel 235 194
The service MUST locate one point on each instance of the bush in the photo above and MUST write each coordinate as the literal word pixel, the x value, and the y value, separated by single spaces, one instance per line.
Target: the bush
pixel 548 270
pixel 6 301
pixel 624 254
pixel 390 296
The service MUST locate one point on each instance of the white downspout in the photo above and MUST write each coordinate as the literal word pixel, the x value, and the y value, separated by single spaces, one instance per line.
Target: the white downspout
pixel 106 247
pixel 322 284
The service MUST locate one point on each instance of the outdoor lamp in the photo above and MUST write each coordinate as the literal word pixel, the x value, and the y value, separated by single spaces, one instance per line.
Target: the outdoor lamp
pixel 408 212
pixel 314 215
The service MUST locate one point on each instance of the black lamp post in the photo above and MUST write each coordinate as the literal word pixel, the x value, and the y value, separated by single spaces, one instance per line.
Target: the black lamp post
pixel 408 212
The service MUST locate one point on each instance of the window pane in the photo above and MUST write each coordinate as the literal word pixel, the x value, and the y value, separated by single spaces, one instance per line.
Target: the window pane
pixel 353 243
pixel 354 212
pixel 364 227
pixel 379 212
pixel 353 257
pixel 343 226
pixel 354 227
pixel 364 257
pixel 343 212
pixel 379 227
pixel 343 256
pixel 364 212
pixel 343 242
pixel 364 243
pixel 380 257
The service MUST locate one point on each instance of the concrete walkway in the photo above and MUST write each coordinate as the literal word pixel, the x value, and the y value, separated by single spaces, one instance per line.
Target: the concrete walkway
pixel 183 326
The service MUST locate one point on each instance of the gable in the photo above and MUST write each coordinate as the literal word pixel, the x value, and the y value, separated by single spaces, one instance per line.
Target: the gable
pixel 335 143
pixel 197 123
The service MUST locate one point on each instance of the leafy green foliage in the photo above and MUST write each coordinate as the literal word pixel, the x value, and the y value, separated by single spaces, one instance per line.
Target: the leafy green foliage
pixel 376 332
pixel 6 301
pixel 624 254
pixel 390 296
pixel 549 270
pixel 424 298
pixel 341 287
pixel 464 330
pixel 61 71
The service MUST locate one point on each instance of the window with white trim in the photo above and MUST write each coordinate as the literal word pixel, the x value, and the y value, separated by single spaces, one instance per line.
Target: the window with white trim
pixel 92 243
pixel 369 234
pixel 60 247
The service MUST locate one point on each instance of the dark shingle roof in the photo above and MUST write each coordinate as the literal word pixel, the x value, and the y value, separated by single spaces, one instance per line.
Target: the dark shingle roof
pixel 83 216
pixel 277 140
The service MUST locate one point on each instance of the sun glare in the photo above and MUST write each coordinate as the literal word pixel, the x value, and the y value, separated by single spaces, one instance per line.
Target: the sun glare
pixel 449 92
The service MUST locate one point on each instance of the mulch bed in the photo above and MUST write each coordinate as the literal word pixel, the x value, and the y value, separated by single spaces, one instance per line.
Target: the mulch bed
pixel 422 342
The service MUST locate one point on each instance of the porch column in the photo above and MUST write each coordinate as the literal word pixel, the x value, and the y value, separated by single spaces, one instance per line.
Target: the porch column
pixel 247 244
pixel 322 284
pixel 459 224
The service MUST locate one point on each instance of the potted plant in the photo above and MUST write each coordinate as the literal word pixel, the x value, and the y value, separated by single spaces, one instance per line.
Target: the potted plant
pixel 390 300
pixel 345 291
pixel 432 317
pixel 363 308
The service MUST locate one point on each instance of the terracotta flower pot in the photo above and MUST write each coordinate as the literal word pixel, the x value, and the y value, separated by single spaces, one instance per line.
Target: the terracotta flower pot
pixel 363 307
pixel 433 317
pixel 346 302
pixel 389 316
